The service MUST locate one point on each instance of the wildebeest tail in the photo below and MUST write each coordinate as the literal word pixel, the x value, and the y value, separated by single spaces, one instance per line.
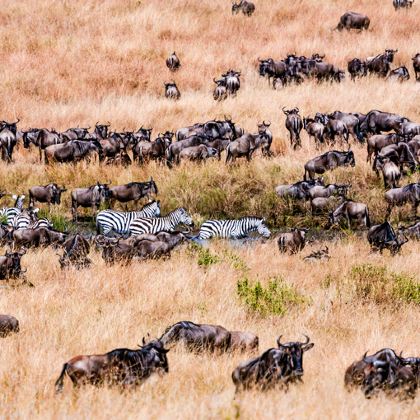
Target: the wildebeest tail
pixel 60 380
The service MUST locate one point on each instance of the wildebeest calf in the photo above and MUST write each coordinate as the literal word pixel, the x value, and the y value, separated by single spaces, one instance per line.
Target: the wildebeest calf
pixel 293 241
pixel 8 325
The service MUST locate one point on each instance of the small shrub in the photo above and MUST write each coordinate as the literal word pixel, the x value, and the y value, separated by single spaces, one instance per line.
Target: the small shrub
pixel 274 299
pixel 376 283
pixel 236 262
pixel 206 258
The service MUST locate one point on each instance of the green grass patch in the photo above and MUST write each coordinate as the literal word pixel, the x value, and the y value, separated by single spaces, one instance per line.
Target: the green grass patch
pixel 276 298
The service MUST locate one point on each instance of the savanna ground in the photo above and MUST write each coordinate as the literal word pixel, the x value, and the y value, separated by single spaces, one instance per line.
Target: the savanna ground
pixel 73 63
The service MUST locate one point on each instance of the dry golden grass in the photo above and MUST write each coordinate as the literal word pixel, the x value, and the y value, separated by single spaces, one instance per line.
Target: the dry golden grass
pixel 66 63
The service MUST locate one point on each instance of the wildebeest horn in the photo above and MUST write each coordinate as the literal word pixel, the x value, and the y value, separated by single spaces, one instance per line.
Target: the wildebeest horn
pixel 364 357
pixel 266 124
pixel 307 339
pixel 17 121
pixel 144 341
pixel 278 341
pixel 97 122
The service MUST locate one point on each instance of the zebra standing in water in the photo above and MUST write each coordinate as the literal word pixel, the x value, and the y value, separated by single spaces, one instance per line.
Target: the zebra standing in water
pixel 119 221
pixel 9 213
pixel 233 229
pixel 160 224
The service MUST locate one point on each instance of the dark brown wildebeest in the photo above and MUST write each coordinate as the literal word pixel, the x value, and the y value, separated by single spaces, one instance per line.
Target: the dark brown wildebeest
pixel 146 150
pixel 75 133
pixel 110 147
pixel 266 138
pixel 7 139
pixel 327 162
pixel 399 74
pixel 328 190
pixel 381 64
pixel 247 7
pixel 412 231
pixel 220 91
pixel 325 204
pixel 121 159
pixel 294 126
pixel 314 129
pixel 390 171
pixel 335 128
pixel 133 191
pixel 10 267
pixel 402 4
pixel 357 68
pixel 244 146
pixel 350 210
pixel 50 193
pixel 219 144
pixel 197 153
pixel 298 190
pixel 76 250
pixel 409 130
pixel 142 134
pixel 353 20
pixel 123 367
pixel 400 196
pixel 172 91
pixel 197 337
pixel 400 154
pixel 72 151
pixel 243 341
pixel 173 151
pixel 172 62
pixel 42 139
pixel 383 236
pixel 352 123
pixel 293 241
pixel 275 367
pixel 377 142
pixel 233 82
pixel 92 196
pixel 35 237
pixel 416 66
pixel 8 325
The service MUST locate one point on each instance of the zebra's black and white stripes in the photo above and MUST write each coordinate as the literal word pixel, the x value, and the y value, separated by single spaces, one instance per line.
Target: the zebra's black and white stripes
pixel 119 221
pixel 9 213
pixel 233 229
pixel 155 225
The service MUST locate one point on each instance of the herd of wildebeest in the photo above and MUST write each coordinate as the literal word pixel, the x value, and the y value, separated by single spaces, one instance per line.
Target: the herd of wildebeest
pixel 122 236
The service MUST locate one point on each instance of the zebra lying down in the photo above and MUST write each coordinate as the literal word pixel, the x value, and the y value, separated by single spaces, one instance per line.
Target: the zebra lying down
pixel 233 229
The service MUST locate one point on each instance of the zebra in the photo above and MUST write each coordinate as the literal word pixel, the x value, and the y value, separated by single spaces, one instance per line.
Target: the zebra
pixel 159 224
pixel 233 229
pixel 28 220
pixel 9 213
pixel 119 221
pixel 400 4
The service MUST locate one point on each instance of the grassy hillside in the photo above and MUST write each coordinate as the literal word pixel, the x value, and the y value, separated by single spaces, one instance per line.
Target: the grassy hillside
pixel 72 63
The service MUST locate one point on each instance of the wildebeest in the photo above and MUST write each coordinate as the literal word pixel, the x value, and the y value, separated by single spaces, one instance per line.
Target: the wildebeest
pixel 197 337
pixel 321 254
pixel 76 250
pixel 400 196
pixel 220 91
pixel 42 138
pixel 383 236
pixel 314 129
pixel 10 267
pixel 7 139
pixel 416 66
pixel 243 341
pixel 384 371
pixel 298 190
pixel 133 191
pixel 50 193
pixel 353 20
pixel 293 241
pixel 409 130
pixel 352 123
pixel 378 141
pixel 357 68
pixel 328 190
pixel 172 62
pixel 399 74
pixel 244 146
pixel 71 151
pixel 336 127
pixel 8 325
pixel 402 4
pixel 294 126
pixel 412 231
pixel 328 161
pixel 197 153
pixel 156 150
pixel 390 171
pixel 351 210
pixel 173 151
pixel 325 204
pixel 275 367
pixel 123 367
pixel 381 64
pixel 92 196
pixel 172 91
pixel 232 80
pixel 266 138
pixel 247 7
pixel 35 237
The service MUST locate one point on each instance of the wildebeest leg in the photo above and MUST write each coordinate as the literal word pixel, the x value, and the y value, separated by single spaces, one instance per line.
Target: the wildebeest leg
pixel 388 211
